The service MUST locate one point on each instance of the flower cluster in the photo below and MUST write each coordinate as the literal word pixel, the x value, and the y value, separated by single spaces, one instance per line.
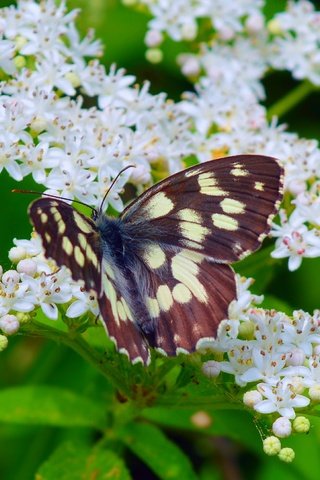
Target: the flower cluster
pixel 274 357
pixel 37 283
pixel 72 150
pixel 226 111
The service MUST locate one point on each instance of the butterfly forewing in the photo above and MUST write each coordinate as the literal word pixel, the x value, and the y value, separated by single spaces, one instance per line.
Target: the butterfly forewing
pixel 70 239
pixel 221 208
pixel 159 270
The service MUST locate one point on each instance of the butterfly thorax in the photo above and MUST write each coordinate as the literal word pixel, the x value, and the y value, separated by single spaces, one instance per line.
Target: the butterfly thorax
pixel 119 249
pixel 112 238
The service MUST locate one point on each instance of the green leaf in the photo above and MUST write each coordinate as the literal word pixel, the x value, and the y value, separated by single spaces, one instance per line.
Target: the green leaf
pixel 163 457
pixel 273 302
pixel 260 266
pixel 228 423
pixel 44 405
pixel 73 461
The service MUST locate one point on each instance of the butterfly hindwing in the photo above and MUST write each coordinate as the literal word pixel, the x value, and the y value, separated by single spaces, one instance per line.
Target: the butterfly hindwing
pixel 115 308
pixel 187 297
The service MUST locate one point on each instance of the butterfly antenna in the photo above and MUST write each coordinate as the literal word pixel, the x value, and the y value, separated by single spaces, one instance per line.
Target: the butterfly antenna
pixel 112 183
pixel 42 194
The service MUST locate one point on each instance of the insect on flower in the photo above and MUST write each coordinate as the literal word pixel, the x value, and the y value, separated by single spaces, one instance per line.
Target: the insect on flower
pixel 161 270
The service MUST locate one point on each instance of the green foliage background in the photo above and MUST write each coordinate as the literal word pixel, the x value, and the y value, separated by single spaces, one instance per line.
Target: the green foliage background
pixel 60 418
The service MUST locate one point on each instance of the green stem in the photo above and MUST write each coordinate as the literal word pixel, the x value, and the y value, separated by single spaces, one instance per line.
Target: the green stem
pixel 79 345
pixel 290 100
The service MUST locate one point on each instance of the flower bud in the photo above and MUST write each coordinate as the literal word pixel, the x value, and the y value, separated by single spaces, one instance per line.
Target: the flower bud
pixel 301 424
pixel 251 398
pixel 211 368
pixel 286 455
pixel 282 427
pixel 3 342
pixel 9 324
pixel 153 38
pixel 201 419
pixel 314 393
pixel 271 445
pixel 154 55
pixel 28 266
pixel 296 357
pixel 16 254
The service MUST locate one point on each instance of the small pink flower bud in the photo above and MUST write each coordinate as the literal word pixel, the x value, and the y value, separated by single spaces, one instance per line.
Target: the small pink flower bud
pixel 16 254
pixel 282 427
pixel 251 398
pixel 9 324
pixel 211 368
pixel 28 266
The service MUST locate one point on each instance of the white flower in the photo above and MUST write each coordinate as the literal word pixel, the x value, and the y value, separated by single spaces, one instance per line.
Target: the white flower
pixel 303 332
pixel 266 366
pixel 48 290
pixel 280 398
pixel 83 302
pixel 239 361
pixel 297 46
pixel 295 240
pixel 14 295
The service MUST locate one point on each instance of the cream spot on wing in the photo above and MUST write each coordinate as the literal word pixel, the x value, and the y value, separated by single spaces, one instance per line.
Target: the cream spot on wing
pixel 181 293
pixel 154 256
pixel 121 311
pixel 91 255
pixel 127 309
pixel 82 240
pixel 109 271
pixel 192 173
pixel 193 231
pixel 158 205
pixel 58 219
pixel 153 307
pixel 112 297
pixel 185 270
pixel 209 185
pixel 259 186
pixel 164 298
pixel 189 215
pixel 229 205
pixel 81 223
pixel 224 221
pixel 176 338
pixel 43 217
pixel 79 257
pixel 39 210
pixel 67 245
pixel 47 237
pixel 239 170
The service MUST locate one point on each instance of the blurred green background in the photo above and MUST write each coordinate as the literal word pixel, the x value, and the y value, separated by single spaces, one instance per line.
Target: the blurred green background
pixel 32 361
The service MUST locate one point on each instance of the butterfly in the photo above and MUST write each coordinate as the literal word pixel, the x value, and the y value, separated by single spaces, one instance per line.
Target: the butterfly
pixel 161 269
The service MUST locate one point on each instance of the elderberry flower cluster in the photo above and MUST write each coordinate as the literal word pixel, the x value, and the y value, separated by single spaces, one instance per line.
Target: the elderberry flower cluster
pixel 273 357
pixel 39 284
pixel 227 67
pixel 45 129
